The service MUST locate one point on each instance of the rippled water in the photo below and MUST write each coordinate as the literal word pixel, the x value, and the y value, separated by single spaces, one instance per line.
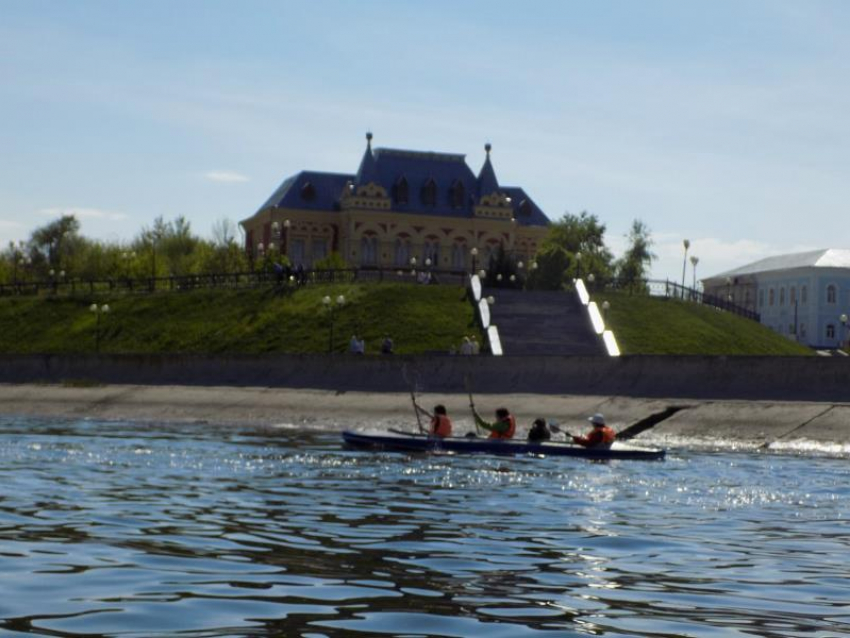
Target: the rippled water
pixel 119 529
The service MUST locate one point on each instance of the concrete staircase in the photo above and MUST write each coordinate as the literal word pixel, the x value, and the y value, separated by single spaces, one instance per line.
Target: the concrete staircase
pixel 542 322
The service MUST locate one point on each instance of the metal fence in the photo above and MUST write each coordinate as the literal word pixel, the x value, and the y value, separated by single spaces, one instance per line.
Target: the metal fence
pixel 128 285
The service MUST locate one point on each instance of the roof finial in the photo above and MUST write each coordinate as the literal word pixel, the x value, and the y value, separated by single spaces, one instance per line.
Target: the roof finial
pixel 487 147
pixel 369 139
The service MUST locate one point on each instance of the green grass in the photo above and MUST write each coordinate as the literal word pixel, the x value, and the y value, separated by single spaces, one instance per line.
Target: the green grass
pixel 655 325
pixel 418 318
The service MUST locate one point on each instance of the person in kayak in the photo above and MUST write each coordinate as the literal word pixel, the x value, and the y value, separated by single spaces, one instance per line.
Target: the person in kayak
pixel 539 432
pixel 502 428
pixel 600 437
pixel 441 424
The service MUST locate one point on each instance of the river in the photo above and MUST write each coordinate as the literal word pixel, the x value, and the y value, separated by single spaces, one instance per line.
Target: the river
pixel 128 529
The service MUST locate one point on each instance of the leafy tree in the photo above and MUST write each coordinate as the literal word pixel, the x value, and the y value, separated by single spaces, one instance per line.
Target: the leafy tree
pixel 582 237
pixel 551 273
pixel 500 269
pixel 52 243
pixel 633 267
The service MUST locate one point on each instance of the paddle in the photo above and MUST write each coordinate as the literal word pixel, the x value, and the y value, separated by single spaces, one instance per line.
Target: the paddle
pixel 554 427
pixel 468 385
pixel 413 399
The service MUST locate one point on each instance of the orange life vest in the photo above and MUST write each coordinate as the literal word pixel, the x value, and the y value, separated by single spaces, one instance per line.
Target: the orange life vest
pixel 507 434
pixel 441 425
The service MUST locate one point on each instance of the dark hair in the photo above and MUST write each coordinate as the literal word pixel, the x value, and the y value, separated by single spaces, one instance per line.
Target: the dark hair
pixel 439 409
pixel 540 423
pixel 502 412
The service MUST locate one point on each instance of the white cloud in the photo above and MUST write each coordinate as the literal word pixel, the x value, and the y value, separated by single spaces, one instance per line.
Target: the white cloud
pixel 226 177
pixel 84 213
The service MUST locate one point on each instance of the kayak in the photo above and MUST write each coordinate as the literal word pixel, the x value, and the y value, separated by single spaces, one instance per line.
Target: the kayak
pixel 411 442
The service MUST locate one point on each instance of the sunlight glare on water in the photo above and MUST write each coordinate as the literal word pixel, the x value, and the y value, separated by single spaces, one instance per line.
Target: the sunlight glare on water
pixel 113 528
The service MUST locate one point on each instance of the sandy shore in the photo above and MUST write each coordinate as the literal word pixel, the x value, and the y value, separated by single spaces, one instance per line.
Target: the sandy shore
pixel 747 422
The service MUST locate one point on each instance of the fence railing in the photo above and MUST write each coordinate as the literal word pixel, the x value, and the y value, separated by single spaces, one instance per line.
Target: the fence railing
pixel 284 279
pixel 672 290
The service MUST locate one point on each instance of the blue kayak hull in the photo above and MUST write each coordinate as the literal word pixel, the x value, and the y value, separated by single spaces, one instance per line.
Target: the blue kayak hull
pixel 421 443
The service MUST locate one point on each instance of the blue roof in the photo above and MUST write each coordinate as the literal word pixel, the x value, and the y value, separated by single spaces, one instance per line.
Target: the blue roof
pixel 386 167
pixel 312 190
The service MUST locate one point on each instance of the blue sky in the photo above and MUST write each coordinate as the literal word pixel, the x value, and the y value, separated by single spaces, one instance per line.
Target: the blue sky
pixel 721 122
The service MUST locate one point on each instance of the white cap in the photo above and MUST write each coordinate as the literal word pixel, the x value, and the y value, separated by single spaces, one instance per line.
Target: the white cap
pixel 597 419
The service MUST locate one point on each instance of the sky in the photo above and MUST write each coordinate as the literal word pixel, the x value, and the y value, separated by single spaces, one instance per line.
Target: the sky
pixel 724 122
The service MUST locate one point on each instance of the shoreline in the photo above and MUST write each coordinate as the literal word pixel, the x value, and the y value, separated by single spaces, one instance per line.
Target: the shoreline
pixel 750 423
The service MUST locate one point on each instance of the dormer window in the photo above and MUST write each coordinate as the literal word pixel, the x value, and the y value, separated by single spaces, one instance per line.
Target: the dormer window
pixel 400 190
pixel 525 208
pixel 308 192
pixel 429 192
pixel 457 194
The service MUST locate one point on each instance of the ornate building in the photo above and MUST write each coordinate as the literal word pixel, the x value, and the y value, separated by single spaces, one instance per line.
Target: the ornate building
pixel 399 205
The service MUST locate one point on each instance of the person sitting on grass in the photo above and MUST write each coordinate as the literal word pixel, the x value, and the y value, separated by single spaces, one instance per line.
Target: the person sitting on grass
pixel 441 424
pixel 503 427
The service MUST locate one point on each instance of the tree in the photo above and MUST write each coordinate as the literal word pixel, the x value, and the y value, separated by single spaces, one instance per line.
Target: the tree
pixel 551 273
pixel 581 238
pixel 633 267
pixel 51 242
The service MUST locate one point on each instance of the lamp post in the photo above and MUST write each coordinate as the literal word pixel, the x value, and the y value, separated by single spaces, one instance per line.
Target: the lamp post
pixel 98 311
pixel 694 262
pixel 474 252
pixel 578 265
pixel 687 244
pixel 843 320
pixel 729 289
pixel 281 234
pixel 591 278
pixel 331 305
pixel 606 306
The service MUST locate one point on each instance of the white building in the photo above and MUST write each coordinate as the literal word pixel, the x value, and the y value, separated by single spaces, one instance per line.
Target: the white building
pixel 804 296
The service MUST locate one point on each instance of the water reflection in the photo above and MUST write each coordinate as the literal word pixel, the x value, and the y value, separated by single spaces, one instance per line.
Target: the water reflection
pixel 120 529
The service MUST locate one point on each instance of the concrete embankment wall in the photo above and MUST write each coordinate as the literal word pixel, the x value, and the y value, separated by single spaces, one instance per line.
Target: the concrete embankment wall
pixel 697 377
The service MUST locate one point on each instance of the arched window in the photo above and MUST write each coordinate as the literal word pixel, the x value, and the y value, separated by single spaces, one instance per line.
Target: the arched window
pixel 830 294
pixel 782 296
pixel 308 192
pixel 431 250
pixel 804 294
pixel 402 252
pixel 771 296
pixel 459 253
pixel 457 194
pixel 429 192
pixel 369 251
pixel 792 299
pixel 400 190
pixel 830 331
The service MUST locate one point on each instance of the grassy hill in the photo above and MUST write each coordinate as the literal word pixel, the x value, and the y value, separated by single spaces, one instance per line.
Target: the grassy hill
pixel 418 318
pixel 656 325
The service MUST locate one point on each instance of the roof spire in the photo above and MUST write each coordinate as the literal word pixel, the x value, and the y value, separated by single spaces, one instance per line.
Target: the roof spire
pixel 487 182
pixel 366 172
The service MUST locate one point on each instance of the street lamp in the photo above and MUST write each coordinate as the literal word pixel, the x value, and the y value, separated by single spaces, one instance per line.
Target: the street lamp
pixel 843 320
pixel 590 279
pixel 694 262
pixel 578 265
pixel 729 289
pixel 331 305
pixel 606 306
pixel 474 252
pixel 98 311
pixel 687 244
